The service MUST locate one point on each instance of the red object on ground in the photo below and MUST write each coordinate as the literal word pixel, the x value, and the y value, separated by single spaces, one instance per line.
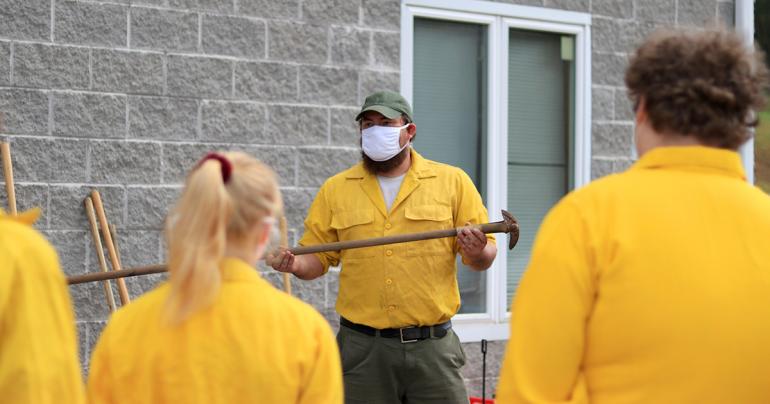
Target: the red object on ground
pixel 477 400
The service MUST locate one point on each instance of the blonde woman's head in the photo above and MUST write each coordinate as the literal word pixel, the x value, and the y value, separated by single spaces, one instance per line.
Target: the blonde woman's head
pixel 229 201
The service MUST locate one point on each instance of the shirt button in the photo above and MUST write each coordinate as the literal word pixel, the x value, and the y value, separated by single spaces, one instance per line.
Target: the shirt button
pixel 388 281
pixel 391 308
pixel 389 253
pixel 388 226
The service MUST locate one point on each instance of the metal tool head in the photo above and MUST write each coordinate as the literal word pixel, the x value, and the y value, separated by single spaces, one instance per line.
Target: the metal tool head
pixel 512 228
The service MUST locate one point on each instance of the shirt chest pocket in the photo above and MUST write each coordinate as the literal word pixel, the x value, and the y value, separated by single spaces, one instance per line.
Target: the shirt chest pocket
pixel 354 225
pixel 427 218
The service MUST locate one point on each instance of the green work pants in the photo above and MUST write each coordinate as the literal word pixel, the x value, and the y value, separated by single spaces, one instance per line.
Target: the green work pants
pixel 383 370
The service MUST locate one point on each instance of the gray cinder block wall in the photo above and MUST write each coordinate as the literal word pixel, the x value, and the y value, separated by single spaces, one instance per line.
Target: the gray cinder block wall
pixel 124 95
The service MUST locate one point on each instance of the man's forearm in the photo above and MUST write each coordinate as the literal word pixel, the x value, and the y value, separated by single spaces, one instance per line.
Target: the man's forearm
pixel 307 267
pixel 484 261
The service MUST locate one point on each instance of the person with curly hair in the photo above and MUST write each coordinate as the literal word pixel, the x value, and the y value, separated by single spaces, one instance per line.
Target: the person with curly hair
pixel 653 285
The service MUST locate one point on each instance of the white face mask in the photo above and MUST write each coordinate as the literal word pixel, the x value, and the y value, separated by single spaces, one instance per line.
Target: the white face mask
pixel 381 143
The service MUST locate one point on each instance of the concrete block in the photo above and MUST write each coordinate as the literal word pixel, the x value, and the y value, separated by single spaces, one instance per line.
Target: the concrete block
pixel 661 11
pixel 612 139
pixel 71 248
pixel 116 162
pixel 164 29
pixel 387 49
pixel 266 81
pixel 311 292
pixel 613 8
pixel 28 196
pixel 199 77
pixel 601 167
pixel 162 118
pixel 236 122
pixel 89 115
pixel 297 125
pixel 26 20
pixel 157 3
pixel 624 110
pixel 68 210
pixel 45 66
pixel 218 6
pixel 5 63
pixel 90 302
pixel 696 13
pixel 324 85
pixel 350 46
pixel 148 207
pixel 726 14
pixel 49 160
pixel 297 42
pixel 137 248
pixel 127 72
pixel 570 5
pixel 139 285
pixel 285 9
pixel 610 35
pixel 344 129
pixel 603 103
pixel 318 164
pixel 383 14
pixel 331 11
pixel 24 111
pixel 90 23
pixel 178 159
pixel 608 68
pixel 297 202
pixel 233 36
pixel 373 81
pixel 88 335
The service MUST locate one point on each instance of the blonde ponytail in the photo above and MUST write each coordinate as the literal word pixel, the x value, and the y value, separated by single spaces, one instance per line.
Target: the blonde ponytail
pixel 223 198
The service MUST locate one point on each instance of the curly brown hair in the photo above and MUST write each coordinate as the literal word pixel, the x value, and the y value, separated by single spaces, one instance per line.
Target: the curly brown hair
pixel 706 84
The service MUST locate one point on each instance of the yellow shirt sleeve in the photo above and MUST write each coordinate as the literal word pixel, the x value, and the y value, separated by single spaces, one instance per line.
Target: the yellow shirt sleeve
pixel 323 380
pixel 318 229
pixel 548 319
pixel 470 208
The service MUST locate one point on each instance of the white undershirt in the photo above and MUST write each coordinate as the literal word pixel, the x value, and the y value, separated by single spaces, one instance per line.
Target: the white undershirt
pixel 389 187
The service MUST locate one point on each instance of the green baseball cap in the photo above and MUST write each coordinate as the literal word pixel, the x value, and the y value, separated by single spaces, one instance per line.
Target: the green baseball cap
pixel 390 104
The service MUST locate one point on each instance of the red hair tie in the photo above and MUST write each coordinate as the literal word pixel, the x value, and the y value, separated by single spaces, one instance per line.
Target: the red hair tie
pixel 227 167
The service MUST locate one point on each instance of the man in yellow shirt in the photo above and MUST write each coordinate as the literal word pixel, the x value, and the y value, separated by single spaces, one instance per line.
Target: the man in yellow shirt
pixel 38 346
pixel 395 301
pixel 653 286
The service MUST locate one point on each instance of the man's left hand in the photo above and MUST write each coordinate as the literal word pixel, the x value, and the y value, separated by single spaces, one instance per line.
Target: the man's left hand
pixel 472 242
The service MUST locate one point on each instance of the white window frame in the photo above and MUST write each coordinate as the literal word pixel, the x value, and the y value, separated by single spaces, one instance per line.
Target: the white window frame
pixel 744 25
pixel 499 18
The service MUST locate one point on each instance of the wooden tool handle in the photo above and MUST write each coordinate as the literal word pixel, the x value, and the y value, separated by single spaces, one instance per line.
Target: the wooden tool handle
pixel 122 289
pixel 99 251
pixel 8 173
pixel 284 228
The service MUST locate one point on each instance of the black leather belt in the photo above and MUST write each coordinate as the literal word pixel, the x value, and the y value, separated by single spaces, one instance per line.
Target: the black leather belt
pixel 407 334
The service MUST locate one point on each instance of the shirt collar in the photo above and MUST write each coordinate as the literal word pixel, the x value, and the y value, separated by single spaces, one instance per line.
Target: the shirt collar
pixel 693 158
pixel 419 167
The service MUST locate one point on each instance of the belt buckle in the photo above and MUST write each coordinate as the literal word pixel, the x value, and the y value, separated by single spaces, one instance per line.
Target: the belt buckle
pixel 401 332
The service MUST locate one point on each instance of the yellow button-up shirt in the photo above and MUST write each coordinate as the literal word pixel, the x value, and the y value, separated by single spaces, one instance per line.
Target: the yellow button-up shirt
pixel 38 346
pixel 255 344
pixel 395 285
pixel 650 286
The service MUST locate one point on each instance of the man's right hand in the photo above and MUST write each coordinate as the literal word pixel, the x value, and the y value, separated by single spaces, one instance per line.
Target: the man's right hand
pixel 281 260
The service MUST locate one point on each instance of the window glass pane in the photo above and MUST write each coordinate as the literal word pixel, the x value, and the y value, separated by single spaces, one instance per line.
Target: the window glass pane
pixel 449 93
pixel 540 127
pixel 762 140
